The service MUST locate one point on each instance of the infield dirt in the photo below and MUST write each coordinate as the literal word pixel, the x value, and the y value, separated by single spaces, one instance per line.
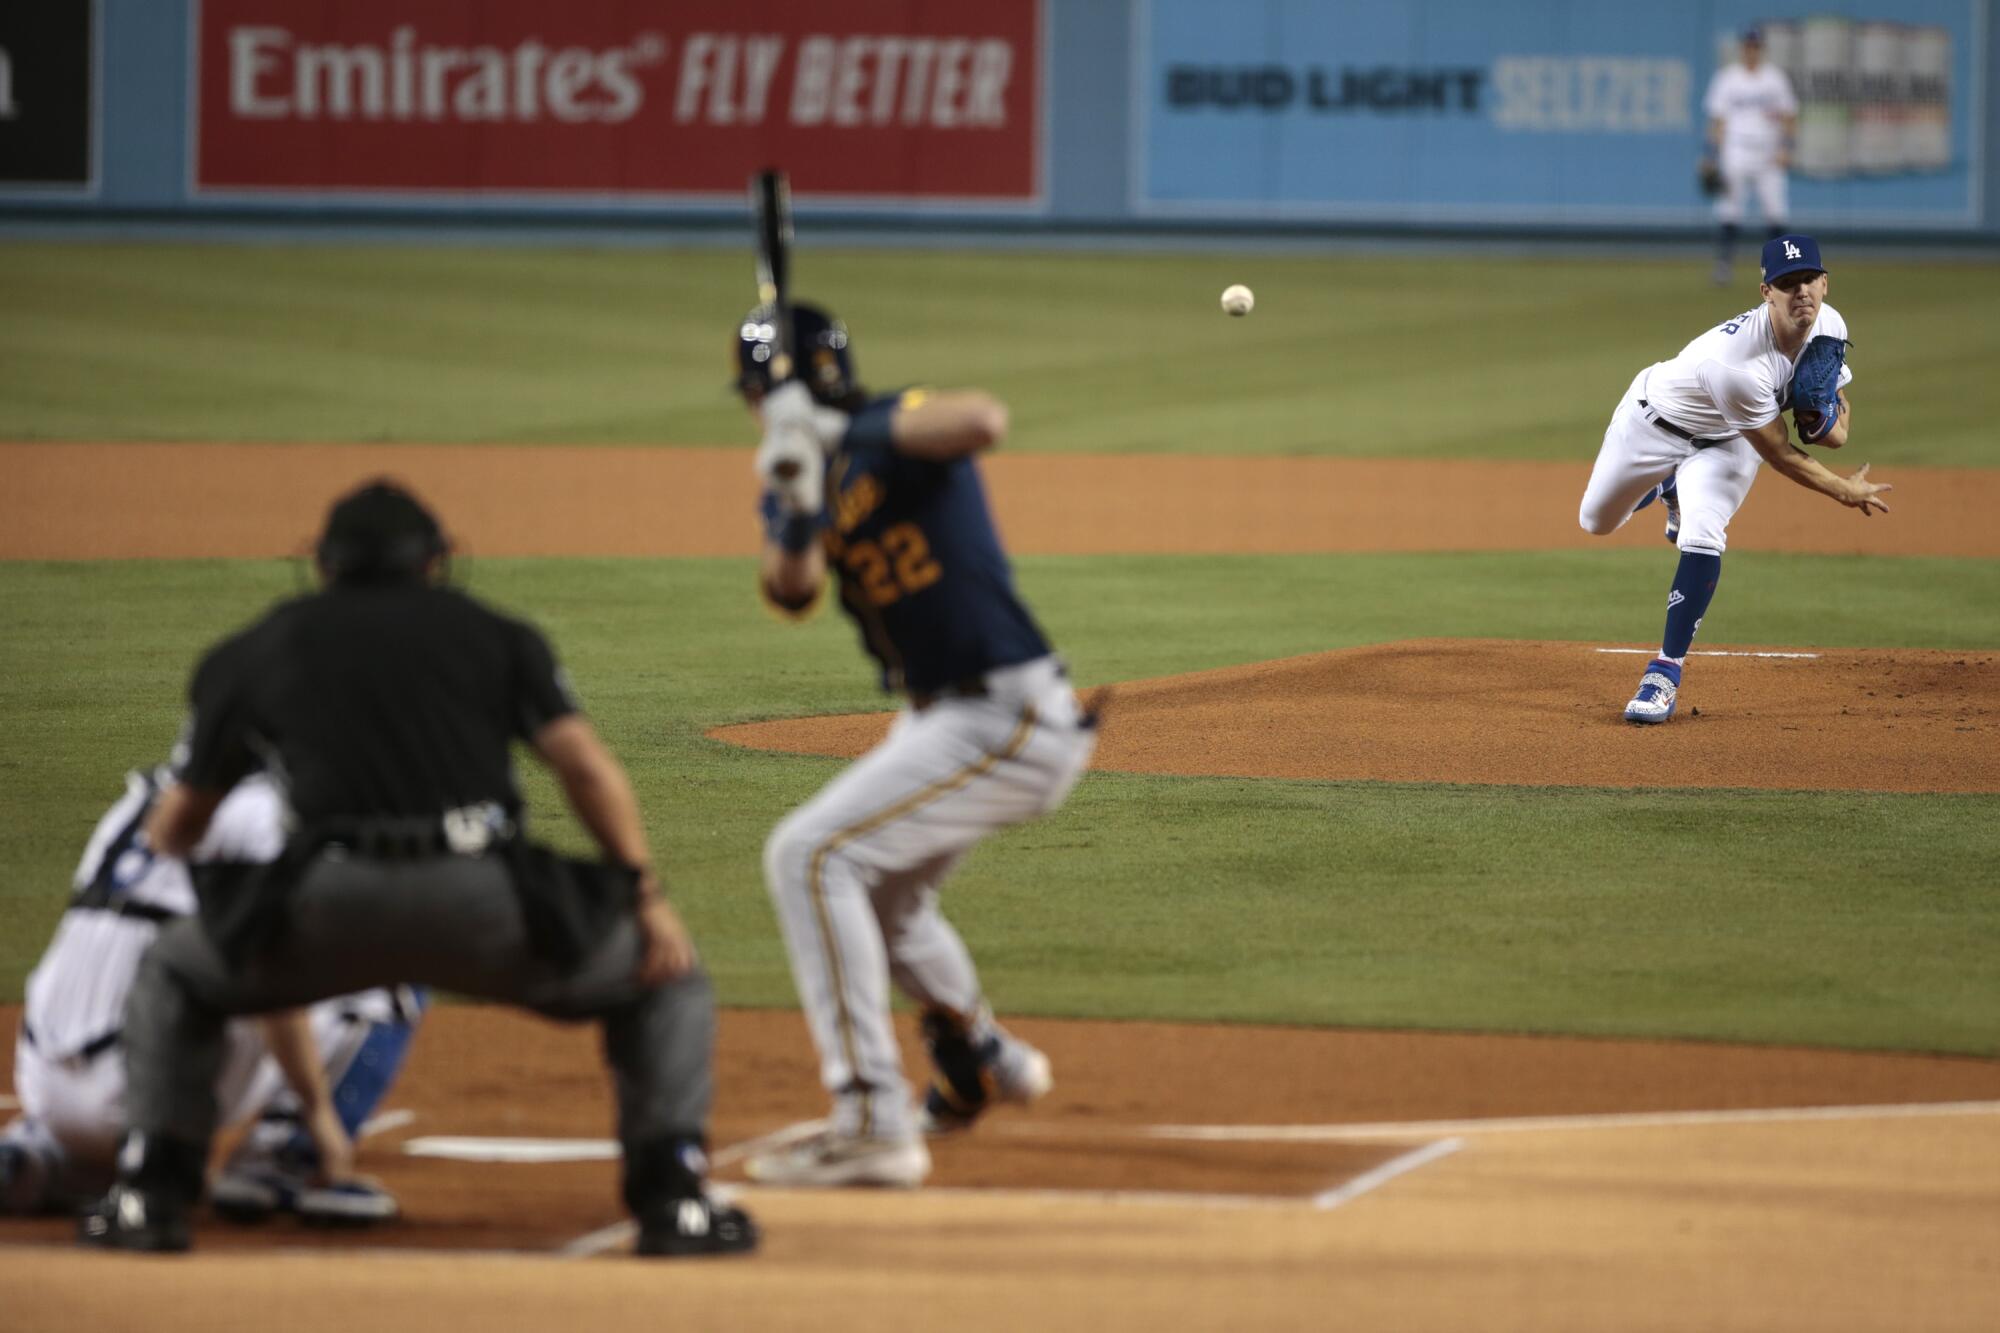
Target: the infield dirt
pixel 93 501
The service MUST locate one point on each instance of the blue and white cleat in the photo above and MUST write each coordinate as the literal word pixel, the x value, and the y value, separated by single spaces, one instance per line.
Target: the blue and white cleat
pixel 1670 496
pixel 1658 689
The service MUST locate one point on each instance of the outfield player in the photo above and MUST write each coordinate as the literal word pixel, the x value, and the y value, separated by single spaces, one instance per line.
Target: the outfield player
pixel 69 1068
pixel 884 496
pixel 1692 432
pixel 1753 119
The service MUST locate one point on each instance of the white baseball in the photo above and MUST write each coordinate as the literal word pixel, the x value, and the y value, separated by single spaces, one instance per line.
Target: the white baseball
pixel 1237 299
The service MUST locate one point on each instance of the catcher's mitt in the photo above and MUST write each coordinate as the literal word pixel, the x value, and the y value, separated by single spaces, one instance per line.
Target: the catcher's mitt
pixel 1709 177
pixel 1816 387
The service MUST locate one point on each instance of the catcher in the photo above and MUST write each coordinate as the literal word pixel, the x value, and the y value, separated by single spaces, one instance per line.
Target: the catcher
pixel 1691 432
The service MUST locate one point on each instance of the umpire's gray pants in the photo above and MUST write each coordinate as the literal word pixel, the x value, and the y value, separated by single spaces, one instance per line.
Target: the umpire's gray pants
pixel 452 922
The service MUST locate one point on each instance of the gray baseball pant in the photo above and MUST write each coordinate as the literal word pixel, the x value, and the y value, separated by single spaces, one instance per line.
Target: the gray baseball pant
pixel 450 922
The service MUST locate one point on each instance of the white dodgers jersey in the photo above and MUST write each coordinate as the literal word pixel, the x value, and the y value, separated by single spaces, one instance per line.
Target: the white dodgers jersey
pixel 1733 378
pixel 76 994
pixel 1752 106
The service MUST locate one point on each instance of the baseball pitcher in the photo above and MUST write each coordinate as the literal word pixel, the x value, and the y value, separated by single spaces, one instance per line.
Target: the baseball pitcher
pixel 882 495
pixel 1691 432
pixel 69 1068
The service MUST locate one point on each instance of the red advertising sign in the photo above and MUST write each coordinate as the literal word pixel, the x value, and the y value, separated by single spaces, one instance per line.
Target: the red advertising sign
pixel 882 99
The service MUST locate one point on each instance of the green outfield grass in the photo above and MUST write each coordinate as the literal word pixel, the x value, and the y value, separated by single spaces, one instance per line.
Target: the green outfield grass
pixel 1837 918
pixel 1360 355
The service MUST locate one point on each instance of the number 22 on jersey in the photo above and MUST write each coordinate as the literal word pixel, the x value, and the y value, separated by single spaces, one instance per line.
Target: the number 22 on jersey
pixel 892 567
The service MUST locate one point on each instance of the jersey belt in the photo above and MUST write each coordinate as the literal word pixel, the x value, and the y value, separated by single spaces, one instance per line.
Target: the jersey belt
pixel 83 1054
pixel 1698 441
pixel 972 687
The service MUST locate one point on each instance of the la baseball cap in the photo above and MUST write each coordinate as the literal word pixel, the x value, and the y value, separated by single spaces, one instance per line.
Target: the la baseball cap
pixel 1790 254
pixel 1753 33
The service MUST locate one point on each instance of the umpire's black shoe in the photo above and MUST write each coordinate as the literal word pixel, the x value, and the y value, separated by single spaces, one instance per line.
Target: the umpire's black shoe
pixel 694 1225
pixel 134 1219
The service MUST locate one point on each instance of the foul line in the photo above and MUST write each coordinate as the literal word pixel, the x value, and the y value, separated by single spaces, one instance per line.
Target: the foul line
pixel 1621 1120
pixel 1388 1171
pixel 1702 652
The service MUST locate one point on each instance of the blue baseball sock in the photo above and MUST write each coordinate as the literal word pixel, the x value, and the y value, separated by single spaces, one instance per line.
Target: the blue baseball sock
pixel 1694 586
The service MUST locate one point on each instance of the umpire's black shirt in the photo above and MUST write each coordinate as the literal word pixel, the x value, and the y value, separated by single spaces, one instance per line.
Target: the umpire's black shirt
pixel 374 700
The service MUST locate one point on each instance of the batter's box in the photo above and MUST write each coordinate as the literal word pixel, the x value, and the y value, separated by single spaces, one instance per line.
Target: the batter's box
pixel 1125 1163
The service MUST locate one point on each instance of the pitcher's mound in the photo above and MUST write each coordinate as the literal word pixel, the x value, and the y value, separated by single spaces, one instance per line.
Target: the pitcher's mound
pixel 1507 712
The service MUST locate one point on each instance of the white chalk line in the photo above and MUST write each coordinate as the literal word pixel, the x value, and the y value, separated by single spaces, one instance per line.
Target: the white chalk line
pixel 1519 1124
pixel 621 1234
pixel 386 1122
pixel 514 1151
pixel 614 1237
pixel 1702 652
pixel 1376 1177
pixel 1446 1137
pixel 618 1235
pixel 536 1151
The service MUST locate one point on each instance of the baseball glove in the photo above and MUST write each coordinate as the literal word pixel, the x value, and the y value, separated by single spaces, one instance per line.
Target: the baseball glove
pixel 1709 177
pixel 1816 387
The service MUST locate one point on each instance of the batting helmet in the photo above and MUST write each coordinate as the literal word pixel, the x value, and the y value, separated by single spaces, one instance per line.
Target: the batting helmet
pixel 379 534
pixel 819 349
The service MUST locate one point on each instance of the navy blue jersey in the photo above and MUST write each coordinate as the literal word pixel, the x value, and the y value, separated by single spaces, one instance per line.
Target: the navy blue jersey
pixel 920 565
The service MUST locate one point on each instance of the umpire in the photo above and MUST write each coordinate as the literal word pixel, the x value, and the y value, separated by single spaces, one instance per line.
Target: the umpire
pixel 387 702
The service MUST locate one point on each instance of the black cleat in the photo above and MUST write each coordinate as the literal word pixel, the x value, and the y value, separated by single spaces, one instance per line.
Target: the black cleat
pixel 132 1219
pixel 695 1225
pixel 974 1072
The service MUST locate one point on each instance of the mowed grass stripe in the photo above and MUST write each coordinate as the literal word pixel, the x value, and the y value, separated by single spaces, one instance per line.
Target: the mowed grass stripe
pixel 1358 355
pixel 1838 918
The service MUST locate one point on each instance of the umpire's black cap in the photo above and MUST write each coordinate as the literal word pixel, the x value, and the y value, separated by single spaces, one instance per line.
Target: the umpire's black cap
pixel 379 533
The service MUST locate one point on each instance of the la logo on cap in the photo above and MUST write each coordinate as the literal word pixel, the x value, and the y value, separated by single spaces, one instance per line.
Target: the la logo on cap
pixel 1791 251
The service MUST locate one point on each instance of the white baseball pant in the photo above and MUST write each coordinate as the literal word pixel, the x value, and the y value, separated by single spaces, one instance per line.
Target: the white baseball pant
pixel 1638 454
pixel 73 1110
pixel 854 873
pixel 1745 173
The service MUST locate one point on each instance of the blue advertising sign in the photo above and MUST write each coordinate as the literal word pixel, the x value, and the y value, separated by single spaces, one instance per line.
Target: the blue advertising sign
pixel 1570 111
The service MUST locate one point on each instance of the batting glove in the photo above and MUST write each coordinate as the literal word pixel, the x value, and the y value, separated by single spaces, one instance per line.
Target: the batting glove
pixel 792 465
pixel 791 404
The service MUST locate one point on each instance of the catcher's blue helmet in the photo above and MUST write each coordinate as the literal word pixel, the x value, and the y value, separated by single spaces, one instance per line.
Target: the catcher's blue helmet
pixel 819 352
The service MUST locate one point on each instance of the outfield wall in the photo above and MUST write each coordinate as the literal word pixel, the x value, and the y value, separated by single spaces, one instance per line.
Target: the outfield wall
pixel 1162 114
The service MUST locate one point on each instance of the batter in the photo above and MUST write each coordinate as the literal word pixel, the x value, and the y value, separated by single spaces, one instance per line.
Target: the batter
pixel 1692 432
pixel 884 494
